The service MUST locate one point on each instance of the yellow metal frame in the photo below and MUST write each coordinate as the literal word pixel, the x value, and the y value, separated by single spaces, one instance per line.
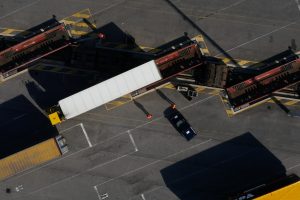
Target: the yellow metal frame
pixel 290 192
pixel 54 118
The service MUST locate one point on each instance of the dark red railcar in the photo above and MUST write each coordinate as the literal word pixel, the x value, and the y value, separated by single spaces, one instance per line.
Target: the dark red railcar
pixel 262 86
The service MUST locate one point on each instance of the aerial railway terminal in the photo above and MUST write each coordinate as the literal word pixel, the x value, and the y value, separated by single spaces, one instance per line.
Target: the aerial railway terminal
pixel 94 104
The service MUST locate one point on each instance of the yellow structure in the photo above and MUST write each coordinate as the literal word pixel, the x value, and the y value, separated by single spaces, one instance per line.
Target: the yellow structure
pixel 290 192
pixel 28 158
pixel 54 118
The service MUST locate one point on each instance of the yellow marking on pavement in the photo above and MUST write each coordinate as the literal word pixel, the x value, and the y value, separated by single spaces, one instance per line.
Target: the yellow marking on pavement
pixel 74 32
pixel 290 103
pixel 144 47
pixel 82 24
pixel 228 110
pixel 214 92
pixel 199 38
pixel 8 31
pixel 118 102
pixel 200 89
pixel 285 102
pixel 205 51
pixel 169 86
pixel 243 62
pixel 81 15
pixel 67 21
pixel 226 60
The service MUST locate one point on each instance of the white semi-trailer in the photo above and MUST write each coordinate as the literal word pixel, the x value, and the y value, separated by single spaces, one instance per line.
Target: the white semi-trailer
pixel 105 92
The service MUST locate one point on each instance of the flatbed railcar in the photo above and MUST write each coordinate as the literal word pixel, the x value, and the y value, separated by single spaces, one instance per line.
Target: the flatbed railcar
pixel 34 48
pixel 262 86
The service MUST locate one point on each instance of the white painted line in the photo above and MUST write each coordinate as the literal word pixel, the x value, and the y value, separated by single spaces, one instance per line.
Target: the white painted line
pixel 264 35
pixel 21 174
pixel 143 197
pixel 132 141
pixel 107 8
pixel 154 162
pixel 70 128
pixel 293 167
pixel 298 4
pixel 232 5
pixel 86 135
pixel 13 119
pixel 80 173
pixel 20 116
pixel 197 102
pixel 96 189
pixel 104 196
pixel 19 9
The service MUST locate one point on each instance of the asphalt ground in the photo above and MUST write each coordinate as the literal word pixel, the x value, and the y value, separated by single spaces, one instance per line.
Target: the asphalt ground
pixel 119 154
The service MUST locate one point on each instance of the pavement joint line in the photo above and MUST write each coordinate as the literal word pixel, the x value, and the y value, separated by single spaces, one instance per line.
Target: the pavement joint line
pixel 231 5
pixel 143 196
pixel 20 116
pixel 86 135
pixel 17 10
pixel 80 173
pixel 257 38
pixel 107 8
pixel 96 189
pixel 124 118
pixel 154 162
pixel 298 165
pixel 96 144
pixel 132 141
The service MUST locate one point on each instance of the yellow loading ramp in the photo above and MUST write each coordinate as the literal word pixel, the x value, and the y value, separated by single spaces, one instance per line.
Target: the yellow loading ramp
pixel 28 158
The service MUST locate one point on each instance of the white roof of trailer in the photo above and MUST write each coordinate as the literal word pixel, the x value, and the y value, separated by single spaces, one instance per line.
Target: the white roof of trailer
pixel 110 89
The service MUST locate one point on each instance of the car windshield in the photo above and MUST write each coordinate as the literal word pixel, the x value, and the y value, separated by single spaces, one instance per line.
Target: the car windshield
pixel 179 123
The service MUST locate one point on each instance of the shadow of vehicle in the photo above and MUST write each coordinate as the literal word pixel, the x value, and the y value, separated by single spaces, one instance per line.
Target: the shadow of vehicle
pixel 22 125
pixel 223 170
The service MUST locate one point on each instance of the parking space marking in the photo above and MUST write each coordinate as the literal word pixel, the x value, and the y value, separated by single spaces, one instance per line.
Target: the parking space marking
pixel 19 9
pixel 154 162
pixel 86 135
pixel 99 143
pixel 132 141
pixel 83 130
pixel 143 196
pixel 96 189
pixel 80 173
pixel 259 37
pixel 295 166
pixel 69 128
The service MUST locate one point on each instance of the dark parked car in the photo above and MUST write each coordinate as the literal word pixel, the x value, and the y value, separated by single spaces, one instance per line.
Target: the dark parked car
pixel 181 124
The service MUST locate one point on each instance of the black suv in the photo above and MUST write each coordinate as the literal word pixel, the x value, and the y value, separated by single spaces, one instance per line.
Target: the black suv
pixel 181 124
